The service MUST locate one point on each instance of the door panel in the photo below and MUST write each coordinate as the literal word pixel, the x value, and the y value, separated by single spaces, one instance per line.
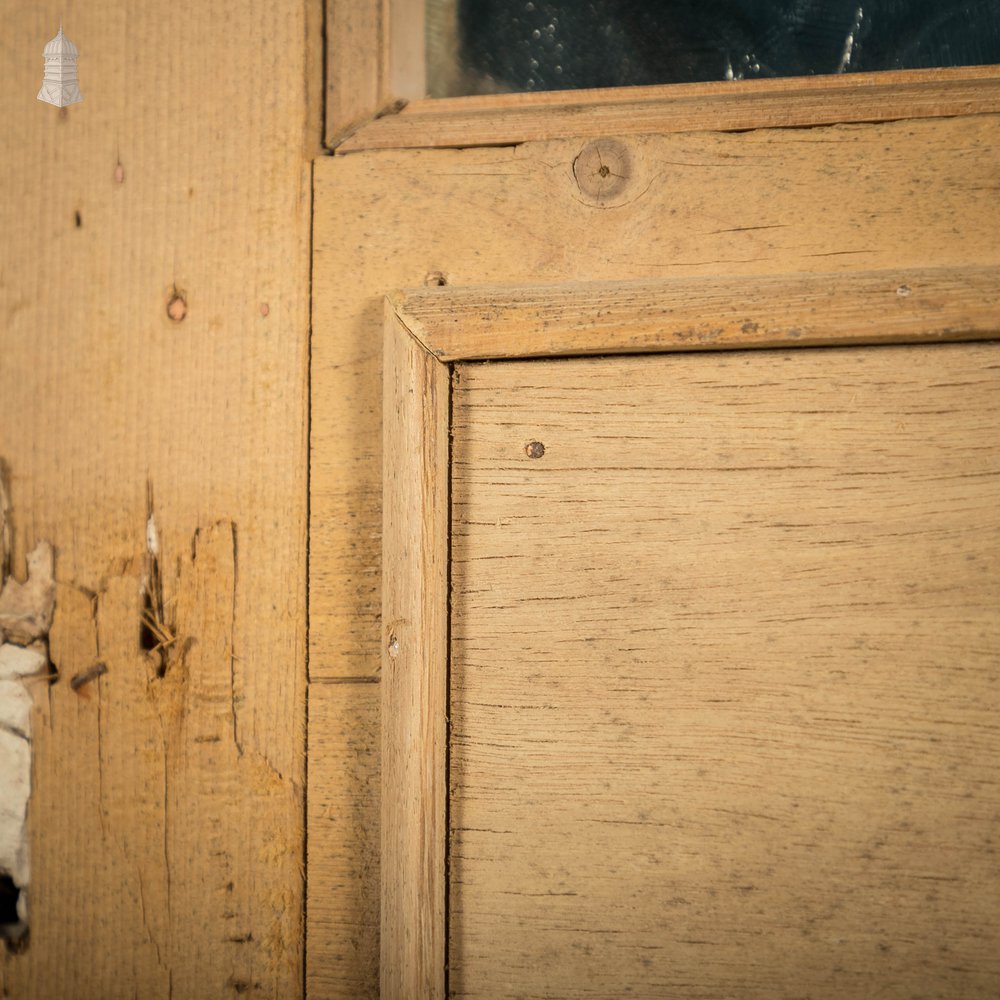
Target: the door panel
pixel 774 200
pixel 724 668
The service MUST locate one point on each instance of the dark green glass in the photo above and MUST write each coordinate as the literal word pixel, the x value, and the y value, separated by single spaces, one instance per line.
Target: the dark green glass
pixel 503 46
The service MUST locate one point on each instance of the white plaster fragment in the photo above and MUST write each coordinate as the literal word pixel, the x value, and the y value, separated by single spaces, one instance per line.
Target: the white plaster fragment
pixel 26 611
pixel 26 608
pixel 152 536
pixel 16 663
pixel 20 661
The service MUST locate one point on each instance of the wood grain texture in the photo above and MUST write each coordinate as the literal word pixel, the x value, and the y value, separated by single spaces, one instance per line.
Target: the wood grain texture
pixel 414 687
pixel 167 814
pixel 723 106
pixel 901 195
pixel 576 318
pixel 374 58
pixel 897 196
pixel 357 80
pixel 343 862
pixel 724 674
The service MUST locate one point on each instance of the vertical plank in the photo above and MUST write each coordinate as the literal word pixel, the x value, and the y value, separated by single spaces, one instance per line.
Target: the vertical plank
pixel 414 678
pixel 343 842
pixel 356 63
pixel 375 55
pixel 177 179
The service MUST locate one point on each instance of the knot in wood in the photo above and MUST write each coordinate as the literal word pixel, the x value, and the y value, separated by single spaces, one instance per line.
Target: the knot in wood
pixel 177 307
pixel 604 171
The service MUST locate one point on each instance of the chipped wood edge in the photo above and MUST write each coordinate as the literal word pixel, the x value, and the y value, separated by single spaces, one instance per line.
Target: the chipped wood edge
pixel 427 330
pixel 907 306
pixel 795 102
pixel 414 686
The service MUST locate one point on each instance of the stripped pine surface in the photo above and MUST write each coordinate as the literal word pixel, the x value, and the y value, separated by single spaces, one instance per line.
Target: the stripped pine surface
pixel 154 321
pixel 504 119
pixel 914 194
pixel 357 70
pixel 919 194
pixel 414 687
pixel 725 660
pixel 708 313
pixel 375 58
pixel 343 816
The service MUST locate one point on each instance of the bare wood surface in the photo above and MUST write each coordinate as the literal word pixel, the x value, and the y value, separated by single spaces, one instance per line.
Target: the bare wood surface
pixel 166 814
pixel 723 106
pixel 414 685
pixel 902 195
pixel 357 72
pixel 343 824
pixel 577 318
pixel 724 662
pixel 374 58
pixel 898 196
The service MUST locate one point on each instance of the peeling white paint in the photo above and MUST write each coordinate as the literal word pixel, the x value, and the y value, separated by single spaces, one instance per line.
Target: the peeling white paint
pixel 16 663
pixel 26 608
pixel 26 611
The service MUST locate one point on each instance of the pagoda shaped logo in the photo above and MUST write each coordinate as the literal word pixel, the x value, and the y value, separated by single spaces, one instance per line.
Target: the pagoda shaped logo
pixel 60 86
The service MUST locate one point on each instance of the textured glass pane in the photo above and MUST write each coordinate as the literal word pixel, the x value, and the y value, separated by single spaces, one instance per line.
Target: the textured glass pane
pixel 497 46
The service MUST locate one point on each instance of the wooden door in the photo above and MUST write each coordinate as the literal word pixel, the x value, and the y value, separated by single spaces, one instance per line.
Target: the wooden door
pixel 690 669
pixel 900 199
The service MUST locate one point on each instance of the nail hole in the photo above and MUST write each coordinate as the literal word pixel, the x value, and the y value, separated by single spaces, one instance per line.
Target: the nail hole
pixel 535 449
pixel 78 219
pixel 177 308
pixel 436 278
